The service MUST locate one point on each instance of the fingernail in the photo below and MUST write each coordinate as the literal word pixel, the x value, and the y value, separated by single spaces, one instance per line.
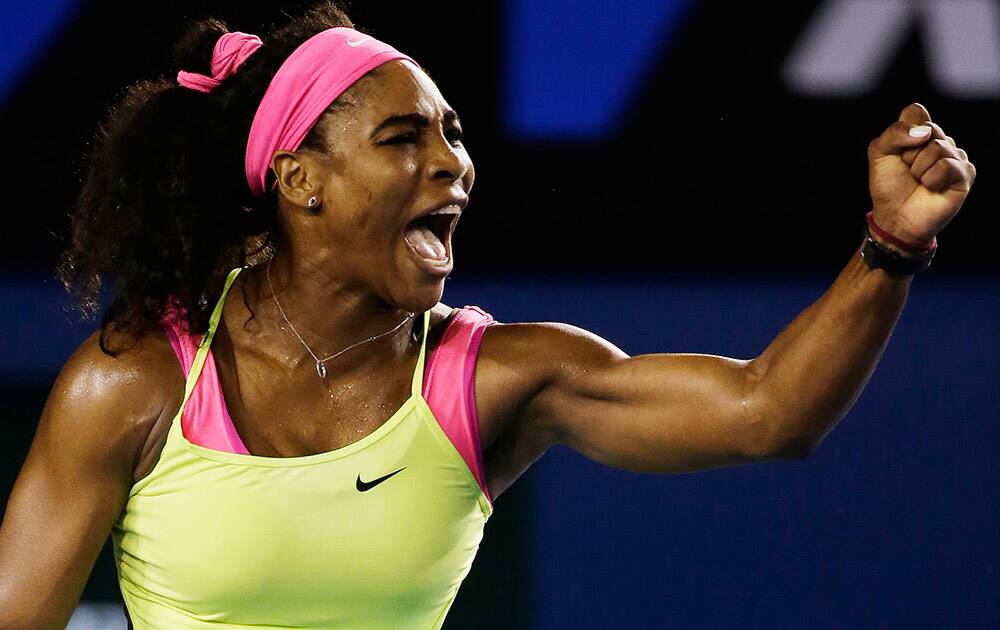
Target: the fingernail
pixel 920 131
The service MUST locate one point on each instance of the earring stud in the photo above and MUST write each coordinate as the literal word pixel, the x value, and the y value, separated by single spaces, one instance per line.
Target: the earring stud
pixel 313 202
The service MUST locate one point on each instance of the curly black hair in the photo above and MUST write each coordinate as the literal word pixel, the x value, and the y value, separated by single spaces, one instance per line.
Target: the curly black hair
pixel 165 208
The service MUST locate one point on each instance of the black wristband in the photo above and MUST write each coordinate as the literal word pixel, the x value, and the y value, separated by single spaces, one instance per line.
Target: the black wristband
pixel 877 256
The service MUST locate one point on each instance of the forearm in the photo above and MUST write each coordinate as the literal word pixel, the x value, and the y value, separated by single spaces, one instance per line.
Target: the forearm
pixel 810 375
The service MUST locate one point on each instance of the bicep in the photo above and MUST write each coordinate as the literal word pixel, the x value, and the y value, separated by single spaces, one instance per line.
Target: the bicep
pixel 648 413
pixel 71 488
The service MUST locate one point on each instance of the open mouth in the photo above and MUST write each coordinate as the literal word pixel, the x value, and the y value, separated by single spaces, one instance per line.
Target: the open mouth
pixel 430 235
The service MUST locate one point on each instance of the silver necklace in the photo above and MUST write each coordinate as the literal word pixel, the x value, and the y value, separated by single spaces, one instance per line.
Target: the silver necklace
pixel 320 368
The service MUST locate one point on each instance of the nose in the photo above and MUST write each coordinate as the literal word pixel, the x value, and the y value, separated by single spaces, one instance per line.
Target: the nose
pixel 450 162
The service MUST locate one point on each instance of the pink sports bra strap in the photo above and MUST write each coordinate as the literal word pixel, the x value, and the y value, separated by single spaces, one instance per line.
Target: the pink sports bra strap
pixel 449 386
pixel 205 420
pixel 179 337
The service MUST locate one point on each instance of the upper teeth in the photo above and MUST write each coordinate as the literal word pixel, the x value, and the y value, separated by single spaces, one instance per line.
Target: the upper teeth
pixel 452 209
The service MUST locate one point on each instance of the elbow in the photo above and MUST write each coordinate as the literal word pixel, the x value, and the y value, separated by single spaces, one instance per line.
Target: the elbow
pixel 770 449
pixel 797 448
pixel 771 438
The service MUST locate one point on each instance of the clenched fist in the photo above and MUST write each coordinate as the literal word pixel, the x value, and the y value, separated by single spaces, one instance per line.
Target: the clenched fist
pixel 918 177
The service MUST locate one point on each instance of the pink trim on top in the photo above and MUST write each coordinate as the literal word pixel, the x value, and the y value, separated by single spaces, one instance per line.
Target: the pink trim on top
pixel 450 387
pixel 205 420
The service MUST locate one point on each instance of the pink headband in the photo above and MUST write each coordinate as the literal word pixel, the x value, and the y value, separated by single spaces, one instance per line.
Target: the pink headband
pixel 229 53
pixel 312 77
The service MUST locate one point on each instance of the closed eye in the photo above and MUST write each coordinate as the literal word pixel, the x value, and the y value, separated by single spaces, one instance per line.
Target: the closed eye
pixel 455 135
pixel 406 137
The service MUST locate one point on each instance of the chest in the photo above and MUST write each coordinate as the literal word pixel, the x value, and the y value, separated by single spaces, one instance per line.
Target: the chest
pixel 293 413
pixel 384 528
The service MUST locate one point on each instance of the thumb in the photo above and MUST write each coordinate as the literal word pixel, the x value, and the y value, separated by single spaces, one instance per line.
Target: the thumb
pixel 915 114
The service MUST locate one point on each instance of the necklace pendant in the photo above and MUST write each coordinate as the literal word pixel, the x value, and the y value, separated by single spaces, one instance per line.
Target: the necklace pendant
pixel 321 370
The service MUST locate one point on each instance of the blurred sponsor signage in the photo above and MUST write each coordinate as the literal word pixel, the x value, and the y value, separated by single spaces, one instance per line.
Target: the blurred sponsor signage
pixel 847 47
pixel 574 68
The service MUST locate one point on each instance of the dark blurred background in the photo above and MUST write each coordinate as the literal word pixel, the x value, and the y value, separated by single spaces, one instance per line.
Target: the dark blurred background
pixel 677 176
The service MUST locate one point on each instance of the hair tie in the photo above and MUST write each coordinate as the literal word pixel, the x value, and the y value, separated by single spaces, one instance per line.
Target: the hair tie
pixel 228 55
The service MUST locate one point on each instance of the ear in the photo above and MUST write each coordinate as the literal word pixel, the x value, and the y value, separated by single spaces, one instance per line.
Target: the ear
pixel 297 177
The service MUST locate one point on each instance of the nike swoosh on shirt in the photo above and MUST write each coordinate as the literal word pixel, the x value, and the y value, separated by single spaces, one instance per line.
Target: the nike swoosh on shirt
pixel 357 43
pixel 365 486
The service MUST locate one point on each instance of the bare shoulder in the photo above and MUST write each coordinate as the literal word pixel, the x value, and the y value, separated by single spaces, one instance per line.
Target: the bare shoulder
pixel 518 361
pixel 536 351
pixel 105 405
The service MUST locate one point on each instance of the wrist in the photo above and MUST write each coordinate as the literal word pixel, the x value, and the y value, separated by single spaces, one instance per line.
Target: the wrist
pixel 893 248
pixel 892 239
pixel 877 256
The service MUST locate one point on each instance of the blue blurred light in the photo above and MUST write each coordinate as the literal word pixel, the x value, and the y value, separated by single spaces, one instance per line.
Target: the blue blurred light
pixel 29 28
pixel 573 68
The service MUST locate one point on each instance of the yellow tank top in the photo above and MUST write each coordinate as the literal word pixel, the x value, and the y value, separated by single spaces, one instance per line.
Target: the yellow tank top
pixel 376 534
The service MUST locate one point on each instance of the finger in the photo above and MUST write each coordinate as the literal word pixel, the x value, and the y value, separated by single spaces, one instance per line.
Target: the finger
pixel 915 114
pixel 961 152
pixel 910 155
pixel 947 173
pixel 938 132
pixel 899 137
pixel 932 152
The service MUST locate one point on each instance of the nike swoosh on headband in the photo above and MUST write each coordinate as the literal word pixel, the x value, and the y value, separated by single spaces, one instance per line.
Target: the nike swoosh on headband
pixel 357 43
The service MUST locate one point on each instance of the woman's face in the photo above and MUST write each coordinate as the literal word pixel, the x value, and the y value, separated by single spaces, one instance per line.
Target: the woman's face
pixel 393 181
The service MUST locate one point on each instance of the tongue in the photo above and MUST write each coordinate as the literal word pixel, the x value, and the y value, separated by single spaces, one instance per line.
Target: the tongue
pixel 425 243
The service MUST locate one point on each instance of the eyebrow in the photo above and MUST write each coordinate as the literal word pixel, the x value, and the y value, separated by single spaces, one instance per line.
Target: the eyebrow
pixel 418 120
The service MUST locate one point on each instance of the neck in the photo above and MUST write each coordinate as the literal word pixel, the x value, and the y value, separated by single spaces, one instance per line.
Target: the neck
pixel 329 315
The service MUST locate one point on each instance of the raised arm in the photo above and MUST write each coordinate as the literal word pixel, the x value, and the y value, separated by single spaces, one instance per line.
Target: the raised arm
pixel 75 482
pixel 685 412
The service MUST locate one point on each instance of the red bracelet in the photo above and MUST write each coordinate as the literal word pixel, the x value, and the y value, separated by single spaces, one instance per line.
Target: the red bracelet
pixel 898 242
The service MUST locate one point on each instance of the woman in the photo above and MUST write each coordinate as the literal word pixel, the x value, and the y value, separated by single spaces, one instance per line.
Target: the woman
pixel 281 425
